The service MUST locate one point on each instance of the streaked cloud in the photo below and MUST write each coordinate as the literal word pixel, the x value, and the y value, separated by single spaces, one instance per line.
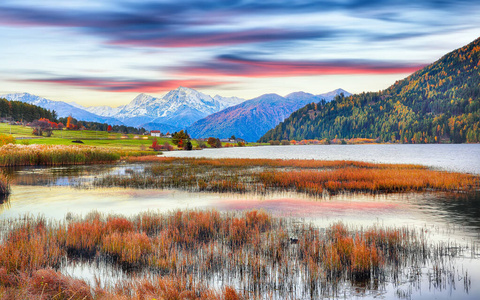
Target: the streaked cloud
pixel 229 65
pixel 137 86
pixel 100 45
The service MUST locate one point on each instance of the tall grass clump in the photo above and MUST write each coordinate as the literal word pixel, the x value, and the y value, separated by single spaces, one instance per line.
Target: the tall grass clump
pixel 51 155
pixel 4 185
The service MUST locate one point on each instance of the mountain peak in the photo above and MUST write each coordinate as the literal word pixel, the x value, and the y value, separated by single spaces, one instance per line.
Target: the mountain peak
pixel 183 88
pixel 180 108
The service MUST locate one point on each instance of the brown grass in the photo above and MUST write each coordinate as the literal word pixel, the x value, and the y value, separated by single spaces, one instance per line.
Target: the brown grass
pixel 305 176
pixel 4 185
pixel 186 249
pixel 31 155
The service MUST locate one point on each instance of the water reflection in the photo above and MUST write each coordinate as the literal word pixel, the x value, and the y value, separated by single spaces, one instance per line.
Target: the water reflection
pixel 54 192
pixel 450 157
pixel 461 209
pixel 66 175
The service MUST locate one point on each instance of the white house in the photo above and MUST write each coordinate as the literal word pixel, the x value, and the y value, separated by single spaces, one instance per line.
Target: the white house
pixel 156 133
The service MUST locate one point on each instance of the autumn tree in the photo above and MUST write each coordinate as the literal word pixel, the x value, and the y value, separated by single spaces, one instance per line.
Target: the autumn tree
pixel 214 142
pixel 70 124
pixel 180 137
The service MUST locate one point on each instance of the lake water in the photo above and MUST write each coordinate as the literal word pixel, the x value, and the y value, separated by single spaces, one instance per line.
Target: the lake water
pixel 450 157
pixel 52 192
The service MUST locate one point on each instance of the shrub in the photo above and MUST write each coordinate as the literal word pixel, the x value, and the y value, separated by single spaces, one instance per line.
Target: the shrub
pixel 6 139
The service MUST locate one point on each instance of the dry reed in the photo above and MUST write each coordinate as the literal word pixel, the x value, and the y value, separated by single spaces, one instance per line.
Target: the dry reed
pixel 305 176
pixel 31 155
pixel 4 185
pixel 190 252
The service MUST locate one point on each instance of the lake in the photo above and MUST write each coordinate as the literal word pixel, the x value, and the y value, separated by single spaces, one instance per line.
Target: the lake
pixel 54 192
pixel 451 157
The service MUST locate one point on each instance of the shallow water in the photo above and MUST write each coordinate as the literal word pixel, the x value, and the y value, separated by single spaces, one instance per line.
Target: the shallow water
pixel 450 157
pixel 448 218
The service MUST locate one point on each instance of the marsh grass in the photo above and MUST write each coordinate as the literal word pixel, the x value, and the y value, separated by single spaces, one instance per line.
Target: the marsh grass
pixel 212 255
pixel 4 185
pixel 317 178
pixel 32 155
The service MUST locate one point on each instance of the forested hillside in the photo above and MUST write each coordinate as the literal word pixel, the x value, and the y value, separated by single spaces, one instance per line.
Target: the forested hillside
pixel 439 103
pixel 20 111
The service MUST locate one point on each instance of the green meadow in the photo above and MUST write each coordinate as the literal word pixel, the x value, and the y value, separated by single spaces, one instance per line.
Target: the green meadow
pixel 118 141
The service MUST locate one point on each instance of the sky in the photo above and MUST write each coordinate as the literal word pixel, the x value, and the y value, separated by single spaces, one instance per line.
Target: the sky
pixel 106 52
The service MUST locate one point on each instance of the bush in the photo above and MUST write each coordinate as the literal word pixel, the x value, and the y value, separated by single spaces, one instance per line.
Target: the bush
pixel 188 145
pixel 214 142
pixel 6 139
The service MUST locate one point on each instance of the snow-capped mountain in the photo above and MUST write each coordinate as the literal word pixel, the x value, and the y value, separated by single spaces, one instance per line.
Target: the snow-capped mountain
pixel 62 109
pixel 179 108
pixel 105 111
pixel 228 101
pixel 182 107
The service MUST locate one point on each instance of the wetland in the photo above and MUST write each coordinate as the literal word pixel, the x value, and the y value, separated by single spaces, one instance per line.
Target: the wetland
pixel 250 228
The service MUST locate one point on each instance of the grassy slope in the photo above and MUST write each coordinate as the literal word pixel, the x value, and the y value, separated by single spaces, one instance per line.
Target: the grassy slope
pixel 88 137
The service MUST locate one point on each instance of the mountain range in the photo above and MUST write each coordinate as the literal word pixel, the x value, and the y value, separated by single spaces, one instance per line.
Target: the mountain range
pixel 61 108
pixel 250 119
pixel 439 103
pixel 203 115
pixel 174 111
pixel 178 108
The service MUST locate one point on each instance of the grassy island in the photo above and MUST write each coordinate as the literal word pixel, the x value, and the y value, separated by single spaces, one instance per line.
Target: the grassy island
pixel 313 177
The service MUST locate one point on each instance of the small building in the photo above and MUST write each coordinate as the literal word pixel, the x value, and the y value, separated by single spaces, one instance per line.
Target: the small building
pixel 156 133
pixel 230 140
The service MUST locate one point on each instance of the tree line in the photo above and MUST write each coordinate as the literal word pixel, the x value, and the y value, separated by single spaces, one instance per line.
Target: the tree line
pixel 439 103
pixel 20 111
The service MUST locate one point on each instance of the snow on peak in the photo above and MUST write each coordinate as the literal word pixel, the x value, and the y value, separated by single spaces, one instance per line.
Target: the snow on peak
pixel 178 107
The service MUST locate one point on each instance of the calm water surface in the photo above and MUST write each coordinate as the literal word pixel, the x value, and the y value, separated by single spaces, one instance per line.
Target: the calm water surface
pixel 53 192
pixel 451 157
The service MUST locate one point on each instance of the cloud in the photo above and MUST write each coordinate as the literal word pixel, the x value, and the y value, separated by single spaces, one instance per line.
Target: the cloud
pixel 115 85
pixel 231 65
pixel 219 38
pixel 196 23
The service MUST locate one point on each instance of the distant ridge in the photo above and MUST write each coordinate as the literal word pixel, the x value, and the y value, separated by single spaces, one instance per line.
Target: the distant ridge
pixel 62 109
pixel 439 103
pixel 251 119
pixel 184 108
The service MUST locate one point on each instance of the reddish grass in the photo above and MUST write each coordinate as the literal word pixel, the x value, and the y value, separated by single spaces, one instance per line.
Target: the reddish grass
pixel 46 284
pixel 127 247
pixel 314 177
pixel 368 180
pixel 263 162
pixel 4 185
pixel 189 248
